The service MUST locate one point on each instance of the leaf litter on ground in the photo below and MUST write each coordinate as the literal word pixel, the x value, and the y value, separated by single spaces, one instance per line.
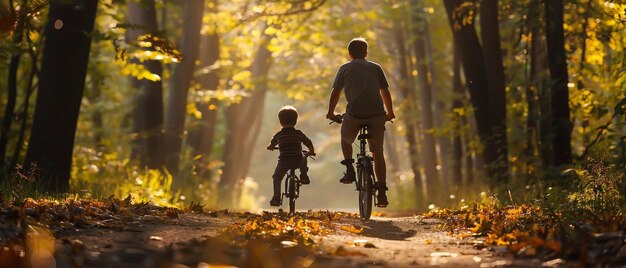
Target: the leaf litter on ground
pixel 29 229
pixel 531 231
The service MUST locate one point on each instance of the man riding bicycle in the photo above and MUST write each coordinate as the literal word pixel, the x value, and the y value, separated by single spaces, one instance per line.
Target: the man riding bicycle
pixel 368 102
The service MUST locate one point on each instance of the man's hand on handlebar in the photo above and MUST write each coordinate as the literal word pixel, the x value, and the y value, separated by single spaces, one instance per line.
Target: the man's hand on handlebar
pixel 390 117
pixel 337 118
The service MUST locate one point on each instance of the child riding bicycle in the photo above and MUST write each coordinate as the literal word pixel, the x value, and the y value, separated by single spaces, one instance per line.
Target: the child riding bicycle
pixel 289 142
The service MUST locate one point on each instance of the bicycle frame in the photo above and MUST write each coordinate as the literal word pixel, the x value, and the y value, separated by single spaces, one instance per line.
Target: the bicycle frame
pixel 292 189
pixel 365 171
pixel 292 186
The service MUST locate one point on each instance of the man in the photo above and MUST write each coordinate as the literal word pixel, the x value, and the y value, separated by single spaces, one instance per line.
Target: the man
pixel 369 102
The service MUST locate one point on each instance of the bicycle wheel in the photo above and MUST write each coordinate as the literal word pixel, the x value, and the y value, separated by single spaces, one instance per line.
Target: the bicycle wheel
pixel 365 189
pixel 292 194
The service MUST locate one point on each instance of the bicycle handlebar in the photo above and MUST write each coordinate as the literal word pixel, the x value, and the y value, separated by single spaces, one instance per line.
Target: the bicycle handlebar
pixel 338 119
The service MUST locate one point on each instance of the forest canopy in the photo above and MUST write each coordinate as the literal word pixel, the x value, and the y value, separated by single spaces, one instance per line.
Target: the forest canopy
pixel 172 101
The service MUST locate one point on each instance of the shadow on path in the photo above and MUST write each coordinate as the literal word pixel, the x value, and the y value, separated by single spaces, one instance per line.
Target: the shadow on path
pixel 385 229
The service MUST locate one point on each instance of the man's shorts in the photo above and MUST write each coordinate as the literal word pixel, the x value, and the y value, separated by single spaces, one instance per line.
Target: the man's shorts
pixel 350 129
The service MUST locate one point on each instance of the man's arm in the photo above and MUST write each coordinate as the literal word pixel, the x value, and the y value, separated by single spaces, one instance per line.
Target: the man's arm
pixel 386 96
pixel 332 104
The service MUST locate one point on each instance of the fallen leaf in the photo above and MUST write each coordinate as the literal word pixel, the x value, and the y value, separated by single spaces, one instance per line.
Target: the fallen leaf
pixel 352 229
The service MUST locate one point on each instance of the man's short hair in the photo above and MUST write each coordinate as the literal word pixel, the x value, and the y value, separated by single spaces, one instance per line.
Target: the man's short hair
pixel 358 48
pixel 288 116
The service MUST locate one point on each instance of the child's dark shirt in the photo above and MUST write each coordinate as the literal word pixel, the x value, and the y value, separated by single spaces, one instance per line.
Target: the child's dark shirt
pixel 289 141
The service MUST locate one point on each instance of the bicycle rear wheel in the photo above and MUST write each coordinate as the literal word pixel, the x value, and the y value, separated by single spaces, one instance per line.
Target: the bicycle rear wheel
pixel 292 194
pixel 365 189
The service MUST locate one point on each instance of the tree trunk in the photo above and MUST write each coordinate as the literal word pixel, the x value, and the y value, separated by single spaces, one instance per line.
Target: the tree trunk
pixel 439 112
pixel 497 94
pixel 9 110
pixel 24 114
pixel 532 89
pixel 408 96
pixel 581 69
pixel 147 112
pixel 243 124
pixel 180 83
pixel 476 77
pixel 561 124
pixel 429 151
pixel 202 133
pixel 61 85
pixel 459 92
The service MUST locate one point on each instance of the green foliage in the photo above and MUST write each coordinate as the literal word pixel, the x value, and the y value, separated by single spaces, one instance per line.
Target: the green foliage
pixel 600 190
pixel 97 174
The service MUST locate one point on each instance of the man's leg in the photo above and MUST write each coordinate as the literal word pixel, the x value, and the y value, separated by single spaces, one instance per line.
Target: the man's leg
pixel 377 129
pixel 380 167
pixel 346 149
pixel 349 130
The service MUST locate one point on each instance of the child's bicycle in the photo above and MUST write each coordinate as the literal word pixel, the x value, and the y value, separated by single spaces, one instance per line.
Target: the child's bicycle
pixel 292 184
pixel 365 178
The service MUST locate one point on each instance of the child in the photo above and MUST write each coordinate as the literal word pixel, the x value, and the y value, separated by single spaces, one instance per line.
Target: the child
pixel 289 141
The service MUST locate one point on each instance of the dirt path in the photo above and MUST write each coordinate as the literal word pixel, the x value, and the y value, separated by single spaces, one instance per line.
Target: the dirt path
pixel 191 240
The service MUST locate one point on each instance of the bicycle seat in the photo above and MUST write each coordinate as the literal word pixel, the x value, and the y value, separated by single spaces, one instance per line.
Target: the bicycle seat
pixel 366 135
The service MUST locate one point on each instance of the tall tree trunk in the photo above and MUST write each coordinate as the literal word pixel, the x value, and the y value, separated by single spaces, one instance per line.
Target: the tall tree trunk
pixel 408 96
pixel 459 92
pixel 202 133
pixel 561 123
pixel 19 145
pixel 243 124
pixel 532 89
pixel 429 151
pixel 9 110
pixel 147 112
pixel 476 77
pixel 439 112
pixel 180 83
pixel 61 85
pixel 492 52
pixel 581 68
pixel 97 120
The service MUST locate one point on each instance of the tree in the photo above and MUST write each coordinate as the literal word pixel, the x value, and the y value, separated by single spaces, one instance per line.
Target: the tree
pixel 429 151
pixel 181 81
pixel 243 122
pixel 490 34
pixel 472 60
pixel 202 132
pixel 147 113
pixel 61 85
pixel 559 95
pixel 408 96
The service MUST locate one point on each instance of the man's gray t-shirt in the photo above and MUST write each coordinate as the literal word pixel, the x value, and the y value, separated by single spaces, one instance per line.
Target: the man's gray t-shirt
pixel 362 80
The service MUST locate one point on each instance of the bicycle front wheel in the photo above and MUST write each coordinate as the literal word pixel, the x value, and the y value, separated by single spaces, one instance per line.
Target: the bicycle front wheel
pixel 292 194
pixel 365 189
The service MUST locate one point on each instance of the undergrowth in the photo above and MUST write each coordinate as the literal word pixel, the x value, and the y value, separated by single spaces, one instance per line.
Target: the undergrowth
pixel 585 223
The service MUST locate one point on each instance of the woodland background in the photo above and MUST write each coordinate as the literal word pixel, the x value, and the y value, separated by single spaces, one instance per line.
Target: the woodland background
pixel 172 101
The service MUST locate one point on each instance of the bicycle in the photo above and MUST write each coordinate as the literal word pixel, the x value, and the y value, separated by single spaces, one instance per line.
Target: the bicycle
pixel 365 177
pixel 292 184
